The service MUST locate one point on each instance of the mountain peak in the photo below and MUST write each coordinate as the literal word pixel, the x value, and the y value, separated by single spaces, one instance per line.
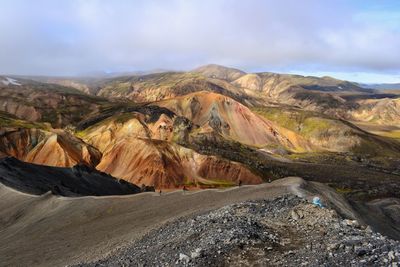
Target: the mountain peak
pixel 220 72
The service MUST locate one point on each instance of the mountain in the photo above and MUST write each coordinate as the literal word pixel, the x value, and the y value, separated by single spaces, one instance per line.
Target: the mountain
pixel 166 165
pixel 325 95
pixel 180 112
pixel 168 149
pixel 325 133
pixel 79 180
pixel 141 149
pixel 40 144
pixel 337 98
pixel 273 84
pixel 222 115
pixel 159 86
pixel 219 72
pixel 210 127
pixel 43 102
pixel 385 111
pixel 382 86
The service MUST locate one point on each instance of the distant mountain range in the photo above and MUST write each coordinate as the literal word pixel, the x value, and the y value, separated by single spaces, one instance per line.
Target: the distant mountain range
pixel 382 86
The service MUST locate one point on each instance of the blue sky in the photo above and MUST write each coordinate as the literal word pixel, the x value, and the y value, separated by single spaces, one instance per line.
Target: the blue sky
pixel 354 40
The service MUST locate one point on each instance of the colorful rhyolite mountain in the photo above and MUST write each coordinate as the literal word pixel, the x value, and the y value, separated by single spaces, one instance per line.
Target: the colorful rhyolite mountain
pixel 168 129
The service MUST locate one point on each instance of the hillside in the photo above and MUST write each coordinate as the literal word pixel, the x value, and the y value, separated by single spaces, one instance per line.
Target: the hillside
pixel 157 132
pixel 385 111
pixel 177 115
pixel 382 86
pixel 327 133
pixel 338 98
pixel 223 115
pixel 219 72
pixel 39 143
pixel 159 86
pixel 42 102
pixel 118 230
pixel 79 180
pixel 165 165
pixel 259 233
pixel 158 160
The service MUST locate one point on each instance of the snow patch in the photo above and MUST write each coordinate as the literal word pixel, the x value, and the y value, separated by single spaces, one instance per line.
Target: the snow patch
pixel 11 81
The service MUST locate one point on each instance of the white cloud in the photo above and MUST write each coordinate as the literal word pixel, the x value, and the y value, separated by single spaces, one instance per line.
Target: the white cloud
pixel 77 36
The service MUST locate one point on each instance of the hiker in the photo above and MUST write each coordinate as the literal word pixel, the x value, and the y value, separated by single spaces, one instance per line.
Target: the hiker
pixel 240 183
pixel 160 192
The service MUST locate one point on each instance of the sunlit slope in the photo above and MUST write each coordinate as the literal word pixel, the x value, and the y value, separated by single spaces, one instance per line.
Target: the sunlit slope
pixel 40 144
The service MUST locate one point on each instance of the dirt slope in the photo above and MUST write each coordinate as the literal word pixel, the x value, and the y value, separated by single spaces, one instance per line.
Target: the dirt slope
pixel 167 165
pixel 69 230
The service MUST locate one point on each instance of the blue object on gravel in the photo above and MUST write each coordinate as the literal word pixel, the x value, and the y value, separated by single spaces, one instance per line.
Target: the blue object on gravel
pixel 317 201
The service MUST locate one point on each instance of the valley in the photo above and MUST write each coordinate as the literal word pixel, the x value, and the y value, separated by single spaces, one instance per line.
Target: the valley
pixel 184 143
pixel 209 127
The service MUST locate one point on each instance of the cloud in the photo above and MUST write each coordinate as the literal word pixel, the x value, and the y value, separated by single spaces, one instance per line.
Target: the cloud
pixel 76 36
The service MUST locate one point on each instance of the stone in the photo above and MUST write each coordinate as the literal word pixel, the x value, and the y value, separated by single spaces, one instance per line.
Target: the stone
pixel 361 252
pixel 225 235
pixel 184 258
pixel 352 223
pixel 294 215
pixel 332 247
pixel 391 255
pixel 301 214
pixel 196 253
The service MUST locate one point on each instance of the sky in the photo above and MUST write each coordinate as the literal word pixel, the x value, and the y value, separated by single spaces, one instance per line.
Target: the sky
pixel 355 40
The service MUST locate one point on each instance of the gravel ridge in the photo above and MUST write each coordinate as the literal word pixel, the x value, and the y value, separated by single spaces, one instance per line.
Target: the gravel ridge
pixel 285 231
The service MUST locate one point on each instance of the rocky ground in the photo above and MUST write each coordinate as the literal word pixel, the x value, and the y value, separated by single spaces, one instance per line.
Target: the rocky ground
pixel 285 231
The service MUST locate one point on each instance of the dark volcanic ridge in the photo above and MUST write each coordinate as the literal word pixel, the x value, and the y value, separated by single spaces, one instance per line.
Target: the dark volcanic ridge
pixel 79 180
pixel 285 231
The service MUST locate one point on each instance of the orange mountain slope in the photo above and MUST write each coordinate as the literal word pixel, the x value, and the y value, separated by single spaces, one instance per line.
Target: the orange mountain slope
pixel 221 114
